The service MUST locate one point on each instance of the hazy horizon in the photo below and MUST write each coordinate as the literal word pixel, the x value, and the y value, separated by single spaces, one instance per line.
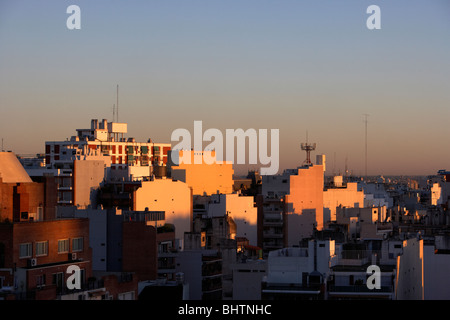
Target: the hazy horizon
pixel 296 66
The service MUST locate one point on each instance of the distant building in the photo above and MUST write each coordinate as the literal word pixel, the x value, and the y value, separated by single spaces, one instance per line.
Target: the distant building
pixel 375 194
pixel 365 223
pixel 344 195
pixel 440 189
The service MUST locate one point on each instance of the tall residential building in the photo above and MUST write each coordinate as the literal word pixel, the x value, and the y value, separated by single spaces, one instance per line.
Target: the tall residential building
pixel 292 206
pixel 115 157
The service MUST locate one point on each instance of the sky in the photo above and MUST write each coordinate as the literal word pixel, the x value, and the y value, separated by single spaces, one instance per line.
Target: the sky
pixel 305 67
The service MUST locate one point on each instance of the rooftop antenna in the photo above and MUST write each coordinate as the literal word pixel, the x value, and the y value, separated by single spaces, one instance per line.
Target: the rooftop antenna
pixel 3 150
pixel 334 164
pixel 117 111
pixel 114 112
pixel 346 167
pixel 365 122
pixel 308 147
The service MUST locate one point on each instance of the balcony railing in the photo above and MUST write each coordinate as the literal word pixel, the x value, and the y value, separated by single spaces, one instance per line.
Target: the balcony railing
pixel 359 289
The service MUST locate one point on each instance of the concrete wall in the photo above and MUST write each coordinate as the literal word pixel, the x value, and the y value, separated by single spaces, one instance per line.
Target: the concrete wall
pixel 247 278
pixel 410 265
pixel 286 265
pixel 204 178
pixel 139 252
pixel 97 232
pixel 87 178
pixel 190 263
pixel 436 278
pixel 305 196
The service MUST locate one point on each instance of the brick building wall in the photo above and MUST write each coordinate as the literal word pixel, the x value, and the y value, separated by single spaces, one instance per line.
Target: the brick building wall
pixel 139 250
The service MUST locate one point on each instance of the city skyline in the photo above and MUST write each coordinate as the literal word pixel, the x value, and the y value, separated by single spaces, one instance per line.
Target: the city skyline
pixel 295 66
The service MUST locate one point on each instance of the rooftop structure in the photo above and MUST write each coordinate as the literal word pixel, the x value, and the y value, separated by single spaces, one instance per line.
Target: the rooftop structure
pixel 11 170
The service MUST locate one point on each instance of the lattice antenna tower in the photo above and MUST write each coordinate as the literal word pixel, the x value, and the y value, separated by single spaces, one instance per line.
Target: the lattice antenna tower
pixel 308 147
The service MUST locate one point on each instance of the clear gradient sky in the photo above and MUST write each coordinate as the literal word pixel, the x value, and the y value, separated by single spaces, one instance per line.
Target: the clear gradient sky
pixel 292 65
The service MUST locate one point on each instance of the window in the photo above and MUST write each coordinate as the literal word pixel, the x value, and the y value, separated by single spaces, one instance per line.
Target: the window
pixel 41 248
pixel 57 279
pixel 77 244
pixel 26 250
pixel 126 296
pixel 40 280
pixel 63 246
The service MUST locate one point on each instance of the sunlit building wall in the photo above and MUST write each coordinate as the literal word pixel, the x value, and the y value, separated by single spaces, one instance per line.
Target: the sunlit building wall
pixel 305 202
pixel 205 178
pixel 241 209
pixel 345 196
pixel 172 197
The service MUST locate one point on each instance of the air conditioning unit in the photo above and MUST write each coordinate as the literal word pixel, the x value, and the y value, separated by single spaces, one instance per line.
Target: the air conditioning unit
pixel 32 262
pixel 72 256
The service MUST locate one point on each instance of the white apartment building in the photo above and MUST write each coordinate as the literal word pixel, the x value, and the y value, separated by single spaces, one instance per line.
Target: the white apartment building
pixel 299 271
pixel 123 158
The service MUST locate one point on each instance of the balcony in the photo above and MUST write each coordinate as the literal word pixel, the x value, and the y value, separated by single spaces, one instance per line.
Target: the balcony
pixel 64 187
pixel 360 290
pixel 273 235
pixel 272 223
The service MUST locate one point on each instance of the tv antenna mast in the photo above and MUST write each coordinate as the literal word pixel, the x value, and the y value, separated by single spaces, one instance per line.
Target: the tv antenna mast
pixel 308 147
pixel 117 104
pixel 365 152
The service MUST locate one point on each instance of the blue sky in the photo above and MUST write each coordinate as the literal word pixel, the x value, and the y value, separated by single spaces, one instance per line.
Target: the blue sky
pixel 291 65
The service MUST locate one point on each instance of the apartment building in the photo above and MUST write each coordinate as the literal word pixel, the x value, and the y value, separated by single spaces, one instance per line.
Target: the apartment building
pixel 115 157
